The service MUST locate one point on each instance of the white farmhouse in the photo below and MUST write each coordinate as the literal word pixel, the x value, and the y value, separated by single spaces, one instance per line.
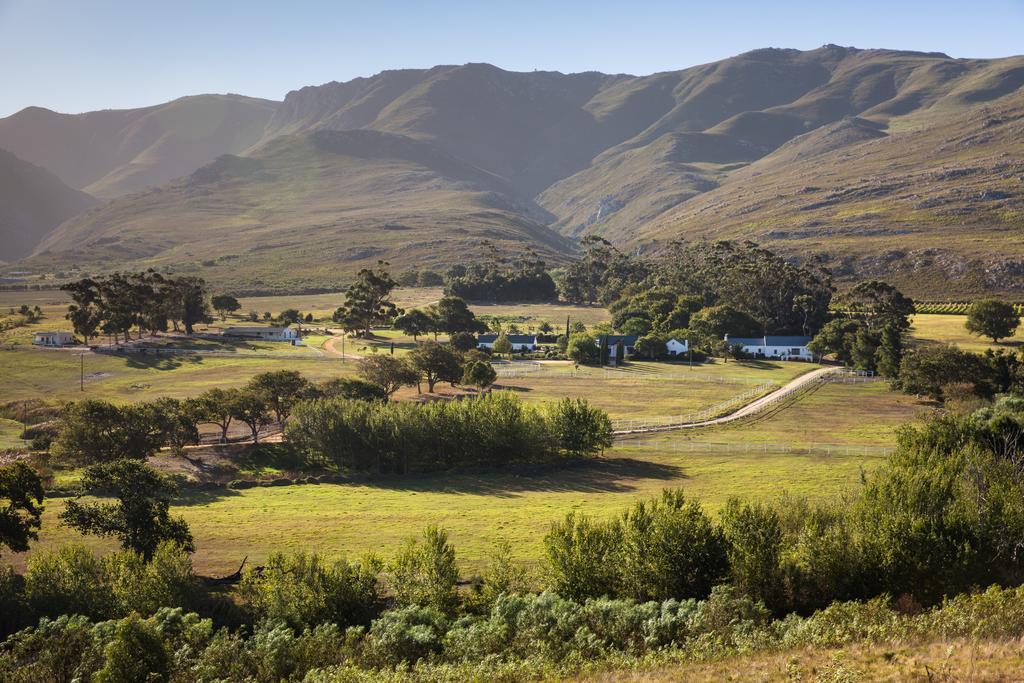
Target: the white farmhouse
pixel 675 347
pixel 775 347
pixel 53 339
pixel 520 342
pixel 285 334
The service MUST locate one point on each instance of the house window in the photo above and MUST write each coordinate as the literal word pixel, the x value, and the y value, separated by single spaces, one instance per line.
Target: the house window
pixel 794 352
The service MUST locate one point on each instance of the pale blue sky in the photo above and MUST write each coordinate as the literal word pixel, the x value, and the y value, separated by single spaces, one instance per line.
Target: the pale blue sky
pixel 79 55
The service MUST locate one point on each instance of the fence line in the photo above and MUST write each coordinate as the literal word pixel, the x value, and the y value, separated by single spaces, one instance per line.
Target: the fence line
pixel 640 424
pixel 544 372
pixel 748 448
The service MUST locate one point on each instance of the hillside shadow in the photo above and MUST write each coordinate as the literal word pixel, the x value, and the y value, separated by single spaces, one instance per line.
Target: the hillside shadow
pixel 611 475
pixel 188 497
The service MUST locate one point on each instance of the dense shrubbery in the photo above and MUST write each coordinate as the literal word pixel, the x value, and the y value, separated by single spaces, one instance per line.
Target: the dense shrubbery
pixel 496 429
pixel 493 279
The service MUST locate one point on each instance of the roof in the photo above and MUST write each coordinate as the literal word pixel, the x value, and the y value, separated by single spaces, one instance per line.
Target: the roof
pixel 513 338
pixel 613 339
pixel 59 332
pixel 255 328
pixel 770 341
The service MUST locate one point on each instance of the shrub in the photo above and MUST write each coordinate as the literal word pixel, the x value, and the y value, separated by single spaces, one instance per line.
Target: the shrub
pixel 405 635
pixel 136 653
pixel 581 429
pixel 69 580
pixel 669 549
pixel 305 590
pixel 582 557
pixel 424 572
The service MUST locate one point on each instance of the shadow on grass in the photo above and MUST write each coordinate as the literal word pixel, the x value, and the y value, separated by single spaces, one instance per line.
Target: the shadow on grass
pixel 759 364
pixel 160 362
pixel 190 496
pixel 511 387
pixel 600 475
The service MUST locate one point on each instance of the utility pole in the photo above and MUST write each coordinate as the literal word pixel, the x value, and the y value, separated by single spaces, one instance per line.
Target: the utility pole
pixel 81 373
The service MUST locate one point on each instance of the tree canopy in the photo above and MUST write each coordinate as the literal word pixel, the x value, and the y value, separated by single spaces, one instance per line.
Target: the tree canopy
pixel 992 318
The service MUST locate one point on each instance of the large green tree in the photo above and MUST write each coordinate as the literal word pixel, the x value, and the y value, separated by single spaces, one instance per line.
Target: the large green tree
pixel 388 372
pixel 93 431
pixel 139 519
pixel 436 363
pixel 992 318
pixel 367 301
pixel 281 389
pixel 21 506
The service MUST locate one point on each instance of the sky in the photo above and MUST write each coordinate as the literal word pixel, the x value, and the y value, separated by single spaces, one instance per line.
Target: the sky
pixel 81 55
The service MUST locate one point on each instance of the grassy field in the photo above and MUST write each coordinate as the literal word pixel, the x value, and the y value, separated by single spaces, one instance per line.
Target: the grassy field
pixel 479 508
pixel 932 328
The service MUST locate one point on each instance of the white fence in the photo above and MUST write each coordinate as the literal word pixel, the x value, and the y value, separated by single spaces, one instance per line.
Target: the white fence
pixel 643 424
pixel 542 371
pixel 825 449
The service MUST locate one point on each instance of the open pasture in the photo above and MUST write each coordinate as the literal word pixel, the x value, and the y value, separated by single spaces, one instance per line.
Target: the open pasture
pixel 930 328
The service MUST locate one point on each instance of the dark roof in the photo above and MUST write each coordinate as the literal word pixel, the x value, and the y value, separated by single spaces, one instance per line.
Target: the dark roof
pixel 513 338
pixel 613 339
pixel 771 341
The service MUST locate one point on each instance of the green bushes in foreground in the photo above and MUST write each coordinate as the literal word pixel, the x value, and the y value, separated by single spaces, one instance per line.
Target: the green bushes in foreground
pixel 496 429
pixel 522 637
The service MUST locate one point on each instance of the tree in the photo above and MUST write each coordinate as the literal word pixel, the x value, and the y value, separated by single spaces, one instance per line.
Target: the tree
pixel 714 322
pixel 502 345
pixel 463 341
pixel 480 374
pixel 353 389
pixel 581 429
pixel 425 572
pixel 927 369
pixel 21 506
pixel 890 352
pixel 216 406
pixel 836 338
pixel 453 315
pixel 280 389
pixel 388 373
pixel 992 318
pixel 366 301
pixel 224 304
pixel 187 298
pixel 290 316
pixel 877 304
pixel 582 348
pixel 437 363
pixel 414 323
pixel 178 421
pixel 140 518
pixel 136 652
pixel 93 431
pixel 250 407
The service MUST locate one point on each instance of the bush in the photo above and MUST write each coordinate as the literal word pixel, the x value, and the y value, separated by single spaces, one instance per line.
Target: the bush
pixel 581 429
pixel 424 573
pixel 582 557
pixel 669 549
pixel 305 590
pixel 408 634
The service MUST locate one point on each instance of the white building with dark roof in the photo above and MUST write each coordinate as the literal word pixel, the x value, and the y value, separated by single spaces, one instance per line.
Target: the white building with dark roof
pixel 775 347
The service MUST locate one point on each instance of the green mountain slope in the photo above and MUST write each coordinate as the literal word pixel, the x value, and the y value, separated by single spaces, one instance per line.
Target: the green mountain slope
pixel 33 202
pixel 307 210
pixel 113 152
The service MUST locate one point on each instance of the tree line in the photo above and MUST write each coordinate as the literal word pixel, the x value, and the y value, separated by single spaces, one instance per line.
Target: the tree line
pixel 148 302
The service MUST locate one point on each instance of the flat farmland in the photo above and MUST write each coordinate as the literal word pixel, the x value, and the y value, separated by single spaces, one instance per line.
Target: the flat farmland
pixel 930 328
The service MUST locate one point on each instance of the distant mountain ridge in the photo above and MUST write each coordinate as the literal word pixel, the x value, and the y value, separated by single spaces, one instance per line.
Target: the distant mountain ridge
pixel 695 153
pixel 33 202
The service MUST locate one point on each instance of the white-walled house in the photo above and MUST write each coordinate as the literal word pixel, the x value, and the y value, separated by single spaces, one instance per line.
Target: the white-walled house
pixel 520 342
pixel 675 347
pixel 776 347
pixel 287 334
pixel 628 342
pixel 53 339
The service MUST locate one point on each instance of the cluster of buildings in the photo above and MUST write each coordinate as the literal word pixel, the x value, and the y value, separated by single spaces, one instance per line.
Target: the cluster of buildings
pixel 768 347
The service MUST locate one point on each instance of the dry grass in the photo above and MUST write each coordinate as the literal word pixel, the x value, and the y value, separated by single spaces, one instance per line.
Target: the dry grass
pixel 933 328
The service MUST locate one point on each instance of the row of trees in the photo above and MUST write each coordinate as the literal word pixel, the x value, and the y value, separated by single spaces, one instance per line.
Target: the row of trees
pixel 148 302
pixel 496 429
pixel 497 279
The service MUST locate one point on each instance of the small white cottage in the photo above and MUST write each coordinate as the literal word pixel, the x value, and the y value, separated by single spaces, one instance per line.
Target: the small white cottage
pixel 675 347
pixel 285 334
pixel 520 342
pixel 53 339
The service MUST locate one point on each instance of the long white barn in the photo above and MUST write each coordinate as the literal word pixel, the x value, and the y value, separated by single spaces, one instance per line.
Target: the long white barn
pixel 778 347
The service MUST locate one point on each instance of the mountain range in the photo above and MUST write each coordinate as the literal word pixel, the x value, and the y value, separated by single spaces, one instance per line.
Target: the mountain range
pixel 871 162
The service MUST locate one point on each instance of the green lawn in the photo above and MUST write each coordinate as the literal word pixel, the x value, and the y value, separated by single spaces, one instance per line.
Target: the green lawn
pixel 932 328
